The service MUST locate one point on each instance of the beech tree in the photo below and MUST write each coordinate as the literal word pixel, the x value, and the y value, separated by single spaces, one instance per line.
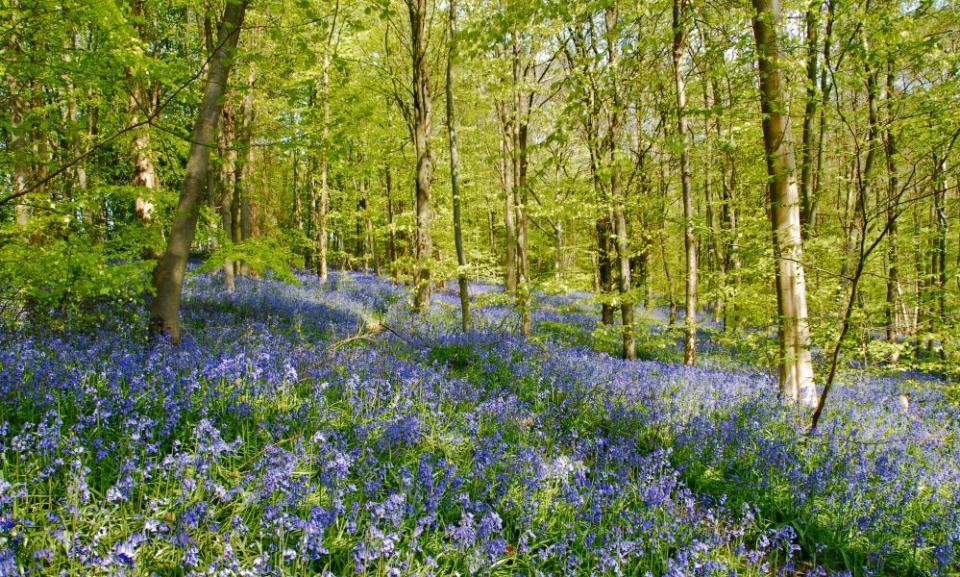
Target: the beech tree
pixel 168 279
pixel 796 364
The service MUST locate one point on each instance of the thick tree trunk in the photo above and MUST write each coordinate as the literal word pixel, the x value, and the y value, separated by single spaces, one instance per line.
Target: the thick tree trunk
pixel 455 174
pixel 139 106
pixel 168 280
pixel 796 365
pixel 680 8
pixel 144 170
pixel 423 125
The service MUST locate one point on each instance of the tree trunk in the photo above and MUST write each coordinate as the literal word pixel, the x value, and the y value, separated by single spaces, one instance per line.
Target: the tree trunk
pixel 605 268
pixel 893 270
pixel 809 112
pixel 245 163
pixel 144 171
pixel 680 8
pixel 617 196
pixel 796 365
pixel 297 202
pixel 168 280
pixel 732 249
pixel 519 139
pixel 509 215
pixel 139 102
pixel 371 244
pixel 423 119
pixel 18 147
pixel 391 224
pixel 825 88
pixel 228 181
pixel 940 242
pixel 455 174
pixel 320 224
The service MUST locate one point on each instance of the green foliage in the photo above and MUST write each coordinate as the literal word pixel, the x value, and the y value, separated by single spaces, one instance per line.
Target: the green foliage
pixel 54 276
pixel 261 254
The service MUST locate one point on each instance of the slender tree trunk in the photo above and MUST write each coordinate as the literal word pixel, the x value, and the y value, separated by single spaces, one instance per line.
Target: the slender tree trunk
pixel 661 241
pixel 558 252
pixel 732 252
pixel 509 214
pixel 796 365
pixel 168 280
pixel 714 226
pixel 455 174
pixel 893 270
pixel 809 113
pixel 423 125
pixel 18 146
pixel 519 136
pixel 826 85
pixel 492 231
pixel 617 196
pixel 312 199
pixel 644 257
pixel 245 163
pixel 940 241
pixel 371 242
pixel 391 223
pixel 320 226
pixel 680 8
pixel 297 201
pixel 228 181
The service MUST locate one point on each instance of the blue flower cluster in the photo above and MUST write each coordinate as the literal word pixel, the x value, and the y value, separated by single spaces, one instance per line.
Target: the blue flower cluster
pixel 322 429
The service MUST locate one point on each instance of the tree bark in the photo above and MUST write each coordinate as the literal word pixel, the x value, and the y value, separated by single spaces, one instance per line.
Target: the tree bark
pixel 140 102
pixel 423 125
pixel 796 365
pixel 168 280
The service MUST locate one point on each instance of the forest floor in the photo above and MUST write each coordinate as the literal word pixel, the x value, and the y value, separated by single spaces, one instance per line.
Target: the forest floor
pixel 324 429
